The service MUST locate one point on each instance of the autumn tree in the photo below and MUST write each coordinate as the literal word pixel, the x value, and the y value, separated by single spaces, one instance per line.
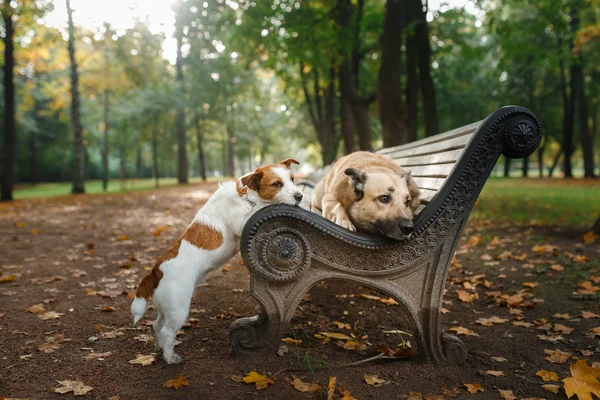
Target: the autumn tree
pixel 8 153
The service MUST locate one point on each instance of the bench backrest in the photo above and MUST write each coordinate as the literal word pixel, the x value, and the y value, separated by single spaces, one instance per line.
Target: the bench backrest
pixel 432 159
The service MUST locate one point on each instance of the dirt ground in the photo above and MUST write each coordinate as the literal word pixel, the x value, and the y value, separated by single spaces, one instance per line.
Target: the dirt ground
pixel 80 256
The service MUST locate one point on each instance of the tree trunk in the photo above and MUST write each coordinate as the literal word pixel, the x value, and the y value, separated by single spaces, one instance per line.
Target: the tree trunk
pixel 155 171
pixel 525 167
pixel 328 146
pixel 578 97
pixel 412 84
pixel 424 64
pixel 122 170
pixel 554 163
pixel 182 162
pixel 33 138
pixel 138 163
pixel 78 155
pixel 201 155
pixel 8 154
pixel 506 167
pixel 540 154
pixel 230 149
pixel 105 143
pixel 596 227
pixel 346 110
pixel 568 110
pixel 392 109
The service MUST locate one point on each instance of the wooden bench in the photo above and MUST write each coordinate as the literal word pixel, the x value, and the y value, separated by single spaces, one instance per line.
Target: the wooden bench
pixel 289 249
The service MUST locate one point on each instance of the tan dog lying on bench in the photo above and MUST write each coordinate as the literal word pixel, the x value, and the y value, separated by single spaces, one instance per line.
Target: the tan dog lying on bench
pixel 369 193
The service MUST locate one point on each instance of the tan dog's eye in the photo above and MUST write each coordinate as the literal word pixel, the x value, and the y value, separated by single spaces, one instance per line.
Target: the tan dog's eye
pixel 407 201
pixel 277 184
pixel 384 199
pixel 292 178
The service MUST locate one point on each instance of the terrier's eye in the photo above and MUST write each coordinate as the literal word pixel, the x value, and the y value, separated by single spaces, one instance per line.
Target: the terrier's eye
pixel 277 184
pixel 384 199
pixel 407 201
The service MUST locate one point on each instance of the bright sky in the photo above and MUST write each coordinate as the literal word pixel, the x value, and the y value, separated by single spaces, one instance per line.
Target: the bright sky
pixel 121 15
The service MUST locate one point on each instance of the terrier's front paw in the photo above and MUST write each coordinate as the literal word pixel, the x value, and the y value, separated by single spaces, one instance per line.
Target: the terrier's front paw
pixel 173 359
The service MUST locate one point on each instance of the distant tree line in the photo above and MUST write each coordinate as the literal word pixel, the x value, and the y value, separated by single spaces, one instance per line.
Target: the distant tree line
pixel 254 80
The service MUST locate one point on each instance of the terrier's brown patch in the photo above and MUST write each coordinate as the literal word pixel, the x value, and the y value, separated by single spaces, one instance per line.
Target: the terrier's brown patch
pixel 201 236
pixel 266 190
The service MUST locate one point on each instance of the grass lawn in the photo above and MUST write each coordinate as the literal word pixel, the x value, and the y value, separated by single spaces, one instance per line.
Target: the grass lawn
pixel 545 201
pixel 25 191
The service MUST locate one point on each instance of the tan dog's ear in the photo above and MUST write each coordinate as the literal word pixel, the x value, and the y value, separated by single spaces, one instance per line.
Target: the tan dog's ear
pixel 413 189
pixel 253 180
pixel 286 163
pixel 358 179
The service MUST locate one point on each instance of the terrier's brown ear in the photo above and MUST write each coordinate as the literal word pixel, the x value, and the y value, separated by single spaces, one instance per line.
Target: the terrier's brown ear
pixel 253 180
pixel 286 163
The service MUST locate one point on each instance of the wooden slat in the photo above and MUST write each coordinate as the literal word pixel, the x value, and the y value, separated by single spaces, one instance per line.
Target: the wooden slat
pixel 439 147
pixel 464 130
pixel 427 195
pixel 432 171
pixel 429 183
pixel 430 159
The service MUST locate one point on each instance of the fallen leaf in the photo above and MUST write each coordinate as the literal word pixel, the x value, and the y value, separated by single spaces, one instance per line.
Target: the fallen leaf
pixel 590 237
pixel 122 238
pixel 144 338
pixel 342 325
pixel 552 388
pixel 304 386
pixel 282 350
pixel 20 224
pixel 450 392
pixel 36 308
pixel 583 381
pixel 589 314
pixel 401 352
pixel 557 267
pixel 593 333
pixel 351 345
pixel 523 324
pixel 35 231
pixel 331 388
pixel 346 395
pixel 473 387
pixel 8 278
pixel 530 284
pixel 491 321
pixel 507 395
pixel 260 381
pixel 466 297
pixel 495 373
pixel 587 287
pixel 95 356
pixel 176 383
pixel 578 258
pixel 334 335
pixel 374 380
pixel 143 360
pixel 415 396
pixel 159 231
pixel 462 331
pixel 513 300
pixel 499 359
pixel 49 315
pixel 557 356
pixel 474 241
pixel 389 301
pixel 111 334
pixel 77 387
pixel 547 375
pixel 288 340
pixel 49 347
pixel 562 329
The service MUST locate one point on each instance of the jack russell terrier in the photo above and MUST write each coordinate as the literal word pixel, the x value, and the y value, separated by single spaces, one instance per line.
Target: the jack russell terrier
pixel 211 239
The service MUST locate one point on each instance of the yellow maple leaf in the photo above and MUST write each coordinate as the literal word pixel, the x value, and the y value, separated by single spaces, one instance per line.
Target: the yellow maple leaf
pixel 301 386
pixel 547 375
pixel 465 296
pixel 590 237
pixel 374 380
pixel 176 383
pixel 474 241
pixel 260 381
pixel 557 356
pixel 473 387
pixel 583 381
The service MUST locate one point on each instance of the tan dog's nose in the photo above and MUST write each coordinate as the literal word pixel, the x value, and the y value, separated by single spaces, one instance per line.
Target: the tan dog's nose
pixel 406 227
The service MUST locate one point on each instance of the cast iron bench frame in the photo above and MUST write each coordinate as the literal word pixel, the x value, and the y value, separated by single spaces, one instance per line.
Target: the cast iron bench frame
pixel 289 249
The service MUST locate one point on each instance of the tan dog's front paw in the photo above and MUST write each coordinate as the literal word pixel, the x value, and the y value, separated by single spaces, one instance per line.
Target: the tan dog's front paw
pixel 344 222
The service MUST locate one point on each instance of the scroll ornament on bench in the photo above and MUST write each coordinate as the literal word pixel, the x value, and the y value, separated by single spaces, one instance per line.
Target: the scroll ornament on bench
pixel 287 249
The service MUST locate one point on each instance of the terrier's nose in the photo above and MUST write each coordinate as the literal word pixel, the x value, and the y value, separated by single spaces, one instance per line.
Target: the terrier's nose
pixel 298 196
pixel 407 227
